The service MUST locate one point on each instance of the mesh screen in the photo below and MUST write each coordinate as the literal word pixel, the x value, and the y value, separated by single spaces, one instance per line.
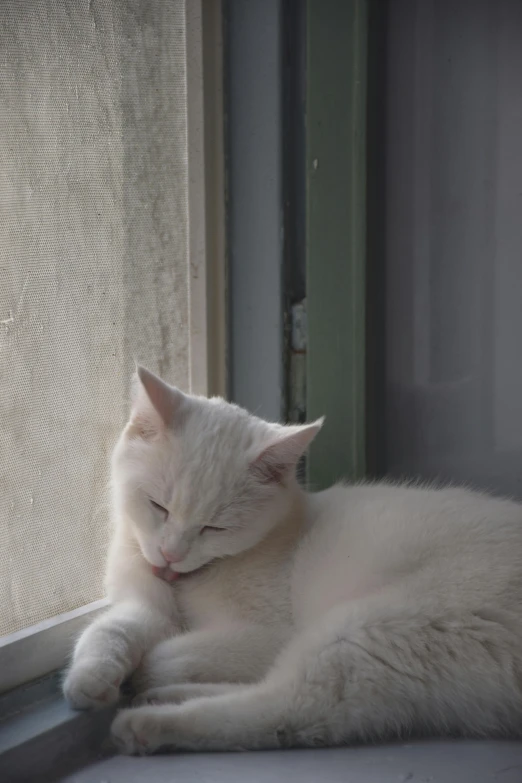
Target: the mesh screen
pixel 93 272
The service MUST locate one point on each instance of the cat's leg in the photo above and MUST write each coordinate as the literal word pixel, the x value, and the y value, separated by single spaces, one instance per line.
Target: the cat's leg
pixel 108 651
pixel 176 694
pixel 357 675
pixel 234 653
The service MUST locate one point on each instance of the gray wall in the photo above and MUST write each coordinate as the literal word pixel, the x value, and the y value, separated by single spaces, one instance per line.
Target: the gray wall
pixel 453 241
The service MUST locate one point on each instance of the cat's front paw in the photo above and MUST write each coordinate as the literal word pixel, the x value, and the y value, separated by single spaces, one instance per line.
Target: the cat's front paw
pixel 137 732
pixel 92 685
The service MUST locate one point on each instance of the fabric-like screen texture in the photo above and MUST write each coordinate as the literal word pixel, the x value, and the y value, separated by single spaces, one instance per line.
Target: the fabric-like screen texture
pixel 93 272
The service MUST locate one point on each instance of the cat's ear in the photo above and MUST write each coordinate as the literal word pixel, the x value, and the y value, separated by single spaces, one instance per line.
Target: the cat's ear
pixel 280 456
pixel 156 406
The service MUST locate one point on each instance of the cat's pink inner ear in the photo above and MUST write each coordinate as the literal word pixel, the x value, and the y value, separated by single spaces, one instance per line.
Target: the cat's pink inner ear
pixel 155 405
pixel 281 456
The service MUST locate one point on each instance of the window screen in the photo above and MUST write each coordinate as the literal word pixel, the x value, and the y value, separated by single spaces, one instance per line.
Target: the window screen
pixel 93 272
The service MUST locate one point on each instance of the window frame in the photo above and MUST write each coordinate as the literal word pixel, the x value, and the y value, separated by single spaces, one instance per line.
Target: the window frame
pixel 255 210
pixel 45 647
pixel 336 242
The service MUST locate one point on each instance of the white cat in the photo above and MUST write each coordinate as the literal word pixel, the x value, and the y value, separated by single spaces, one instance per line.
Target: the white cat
pixel 293 619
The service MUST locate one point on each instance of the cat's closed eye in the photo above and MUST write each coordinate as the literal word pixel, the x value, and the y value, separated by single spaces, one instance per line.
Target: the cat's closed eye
pixel 159 508
pixel 209 528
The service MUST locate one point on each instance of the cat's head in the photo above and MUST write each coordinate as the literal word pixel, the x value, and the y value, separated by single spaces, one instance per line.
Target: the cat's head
pixel 200 478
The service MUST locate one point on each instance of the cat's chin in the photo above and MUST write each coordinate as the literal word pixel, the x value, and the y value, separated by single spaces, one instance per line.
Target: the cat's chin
pixel 181 570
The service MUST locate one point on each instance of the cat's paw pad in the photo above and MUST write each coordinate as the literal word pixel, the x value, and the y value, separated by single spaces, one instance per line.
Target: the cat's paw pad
pixel 137 732
pixel 92 686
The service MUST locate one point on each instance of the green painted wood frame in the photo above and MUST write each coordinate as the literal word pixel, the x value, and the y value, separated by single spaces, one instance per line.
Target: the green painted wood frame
pixel 336 235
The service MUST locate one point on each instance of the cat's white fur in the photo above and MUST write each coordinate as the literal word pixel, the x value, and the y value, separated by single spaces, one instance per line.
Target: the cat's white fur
pixel 359 612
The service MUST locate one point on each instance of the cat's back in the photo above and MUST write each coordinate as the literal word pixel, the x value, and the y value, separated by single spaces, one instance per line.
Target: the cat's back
pixel 415 517
pixel 459 544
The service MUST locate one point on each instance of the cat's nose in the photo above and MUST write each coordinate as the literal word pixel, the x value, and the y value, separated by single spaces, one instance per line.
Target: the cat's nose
pixel 171 557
